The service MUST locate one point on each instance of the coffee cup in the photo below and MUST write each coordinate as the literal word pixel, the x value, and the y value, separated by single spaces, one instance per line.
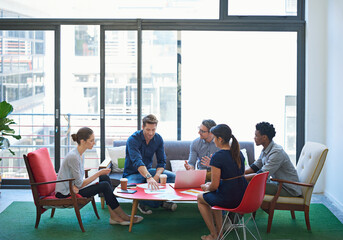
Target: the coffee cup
pixel 123 183
pixel 163 179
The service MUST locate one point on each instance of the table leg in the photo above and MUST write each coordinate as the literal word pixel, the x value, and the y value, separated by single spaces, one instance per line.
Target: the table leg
pixel 133 212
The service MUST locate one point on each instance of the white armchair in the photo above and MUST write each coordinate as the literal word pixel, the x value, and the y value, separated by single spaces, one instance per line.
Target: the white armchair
pixel 309 166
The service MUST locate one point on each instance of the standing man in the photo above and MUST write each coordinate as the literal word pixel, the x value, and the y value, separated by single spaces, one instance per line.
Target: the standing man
pixel 202 148
pixel 140 149
pixel 275 160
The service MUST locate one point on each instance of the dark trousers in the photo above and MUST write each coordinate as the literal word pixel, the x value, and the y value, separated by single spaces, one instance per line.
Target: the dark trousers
pixel 104 186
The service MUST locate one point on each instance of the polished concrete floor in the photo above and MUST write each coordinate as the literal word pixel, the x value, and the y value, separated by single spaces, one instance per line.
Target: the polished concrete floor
pixel 7 196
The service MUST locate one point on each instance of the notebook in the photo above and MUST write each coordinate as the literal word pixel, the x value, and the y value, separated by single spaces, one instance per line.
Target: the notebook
pixel 189 179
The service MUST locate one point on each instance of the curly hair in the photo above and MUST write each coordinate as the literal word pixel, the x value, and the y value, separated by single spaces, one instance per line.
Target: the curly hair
pixel 265 128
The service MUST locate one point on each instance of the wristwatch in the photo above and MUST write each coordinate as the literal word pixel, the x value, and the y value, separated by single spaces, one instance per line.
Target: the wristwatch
pixel 148 175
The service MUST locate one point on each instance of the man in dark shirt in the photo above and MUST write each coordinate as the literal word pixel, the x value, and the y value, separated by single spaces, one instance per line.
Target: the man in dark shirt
pixel 140 149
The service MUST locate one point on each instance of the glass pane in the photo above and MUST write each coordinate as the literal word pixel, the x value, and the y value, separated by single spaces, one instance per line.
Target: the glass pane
pixel 120 85
pixel 240 78
pixel 27 82
pixel 163 9
pixel 263 7
pixel 80 87
pixel 160 80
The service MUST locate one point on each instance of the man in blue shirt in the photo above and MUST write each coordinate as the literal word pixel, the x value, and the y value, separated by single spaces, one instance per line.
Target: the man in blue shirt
pixel 140 149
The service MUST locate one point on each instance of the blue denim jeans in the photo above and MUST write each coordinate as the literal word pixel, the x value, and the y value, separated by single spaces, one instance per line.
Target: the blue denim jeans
pixel 138 178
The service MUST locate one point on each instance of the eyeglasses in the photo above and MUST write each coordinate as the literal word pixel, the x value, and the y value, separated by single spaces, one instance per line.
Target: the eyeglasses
pixel 202 131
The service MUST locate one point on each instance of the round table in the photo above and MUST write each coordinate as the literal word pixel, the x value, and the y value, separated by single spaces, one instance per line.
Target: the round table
pixel 170 194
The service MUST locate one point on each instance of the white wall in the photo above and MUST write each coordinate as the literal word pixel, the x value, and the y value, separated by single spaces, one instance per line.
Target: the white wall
pixel 324 86
pixel 334 101
pixel 316 71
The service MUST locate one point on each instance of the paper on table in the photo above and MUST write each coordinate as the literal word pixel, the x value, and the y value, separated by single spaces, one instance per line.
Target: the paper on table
pixel 193 192
pixel 145 186
pixel 149 191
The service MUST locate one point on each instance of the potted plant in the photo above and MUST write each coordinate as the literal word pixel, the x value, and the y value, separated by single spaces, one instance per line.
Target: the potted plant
pixel 5 129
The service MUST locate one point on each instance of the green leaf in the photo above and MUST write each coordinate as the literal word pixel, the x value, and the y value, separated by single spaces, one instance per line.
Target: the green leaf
pixel 11 151
pixel 5 129
pixel 5 109
pixel 12 135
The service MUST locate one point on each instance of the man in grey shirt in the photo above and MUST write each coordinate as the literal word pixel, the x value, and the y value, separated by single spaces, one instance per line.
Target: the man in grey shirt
pixel 202 148
pixel 275 160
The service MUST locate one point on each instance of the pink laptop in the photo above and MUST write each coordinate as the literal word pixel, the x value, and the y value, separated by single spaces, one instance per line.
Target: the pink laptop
pixel 190 179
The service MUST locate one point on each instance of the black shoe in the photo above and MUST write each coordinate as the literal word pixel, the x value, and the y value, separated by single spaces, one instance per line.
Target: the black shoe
pixel 169 205
pixel 144 209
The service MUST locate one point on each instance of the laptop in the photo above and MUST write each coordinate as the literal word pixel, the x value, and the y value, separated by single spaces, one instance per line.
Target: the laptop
pixel 189 179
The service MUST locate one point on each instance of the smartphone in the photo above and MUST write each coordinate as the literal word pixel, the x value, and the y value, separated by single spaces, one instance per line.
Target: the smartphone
pixel 131 185
pixel 127 191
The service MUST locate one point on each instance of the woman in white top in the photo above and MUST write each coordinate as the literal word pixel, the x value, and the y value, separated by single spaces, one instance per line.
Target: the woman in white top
pixel 73 167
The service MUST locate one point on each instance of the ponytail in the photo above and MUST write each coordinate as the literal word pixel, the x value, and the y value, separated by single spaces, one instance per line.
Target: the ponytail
pixel 235 151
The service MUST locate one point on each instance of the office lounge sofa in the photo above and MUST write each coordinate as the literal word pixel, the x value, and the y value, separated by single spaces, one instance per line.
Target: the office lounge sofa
pixel 176 152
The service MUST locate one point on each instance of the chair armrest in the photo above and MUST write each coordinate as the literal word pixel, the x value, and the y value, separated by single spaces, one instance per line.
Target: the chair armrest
pixel 64 180
pixel 107 163
pixel 86 172
pixel 291 182
pixel 281 182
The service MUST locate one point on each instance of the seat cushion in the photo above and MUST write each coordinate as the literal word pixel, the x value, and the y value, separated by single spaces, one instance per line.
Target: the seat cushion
pixel 53 197
pixel 289 200
pixel 42 170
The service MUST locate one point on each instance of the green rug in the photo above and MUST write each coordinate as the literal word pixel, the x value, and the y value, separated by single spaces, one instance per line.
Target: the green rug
pixel 17 222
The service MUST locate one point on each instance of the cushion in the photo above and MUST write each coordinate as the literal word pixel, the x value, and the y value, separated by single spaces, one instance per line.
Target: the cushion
pixel 177 165
pixel 117 156
pixel 288 200
pixel 43 170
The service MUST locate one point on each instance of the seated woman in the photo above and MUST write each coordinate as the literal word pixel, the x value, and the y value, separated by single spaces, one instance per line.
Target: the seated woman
pixel 73 167
pixel 222 191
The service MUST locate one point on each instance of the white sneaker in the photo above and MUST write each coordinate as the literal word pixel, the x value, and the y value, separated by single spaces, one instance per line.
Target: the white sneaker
pixel 144 209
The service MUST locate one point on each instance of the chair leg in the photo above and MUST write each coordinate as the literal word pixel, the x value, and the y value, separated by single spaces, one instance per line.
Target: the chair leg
pixel 307 217
pixel 95 209
pixel 244 229
pixel 78 215
pixel 102 199
pixel 52 212
pixel 270 220
pixel 224 232
pixel 38 214
pixel 258 232
pixel 293 215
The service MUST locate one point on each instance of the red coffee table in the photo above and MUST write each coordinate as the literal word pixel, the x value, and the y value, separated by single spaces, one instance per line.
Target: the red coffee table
pixel 141 195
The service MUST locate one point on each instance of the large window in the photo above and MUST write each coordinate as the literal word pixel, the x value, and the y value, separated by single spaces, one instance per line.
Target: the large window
pixel 27 82
pixel 80 87
pixel 159 57
pixel 239 78
pixel 120 85
pixel 263 7
pixel 124 9
pixel 237 62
